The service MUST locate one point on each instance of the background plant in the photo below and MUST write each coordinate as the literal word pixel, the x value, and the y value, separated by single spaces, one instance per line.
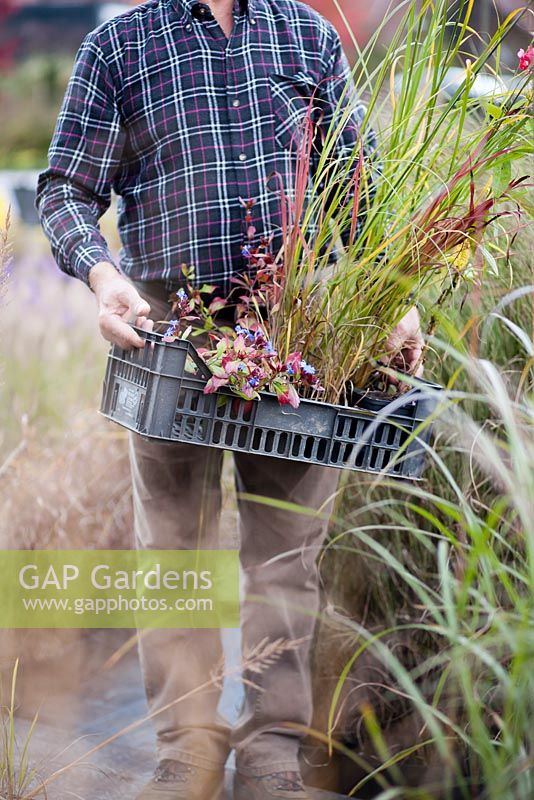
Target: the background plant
pixel 30 96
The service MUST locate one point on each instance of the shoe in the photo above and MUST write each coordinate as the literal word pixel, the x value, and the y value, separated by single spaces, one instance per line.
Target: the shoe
pixel 287 785
pixel 174 780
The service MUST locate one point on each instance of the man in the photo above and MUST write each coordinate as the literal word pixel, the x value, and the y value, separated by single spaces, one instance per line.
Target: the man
pixel 186 110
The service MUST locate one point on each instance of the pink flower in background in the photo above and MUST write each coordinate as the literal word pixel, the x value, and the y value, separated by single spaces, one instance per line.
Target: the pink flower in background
pixel 526 58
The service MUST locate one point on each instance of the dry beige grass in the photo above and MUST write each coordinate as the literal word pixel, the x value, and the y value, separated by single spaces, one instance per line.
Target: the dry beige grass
pixel 69 491
pixel 72 491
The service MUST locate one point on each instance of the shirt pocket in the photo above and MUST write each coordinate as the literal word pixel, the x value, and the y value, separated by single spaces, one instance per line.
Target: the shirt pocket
pixel 294 96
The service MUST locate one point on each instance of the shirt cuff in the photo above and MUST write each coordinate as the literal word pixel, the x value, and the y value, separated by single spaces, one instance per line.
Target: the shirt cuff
pixel 86 257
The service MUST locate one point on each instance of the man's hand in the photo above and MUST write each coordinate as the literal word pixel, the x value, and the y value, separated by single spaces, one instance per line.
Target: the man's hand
pixel 118 304
pixel 404 348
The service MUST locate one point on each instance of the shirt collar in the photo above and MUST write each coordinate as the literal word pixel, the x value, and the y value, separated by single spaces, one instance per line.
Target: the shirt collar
pixel 184 6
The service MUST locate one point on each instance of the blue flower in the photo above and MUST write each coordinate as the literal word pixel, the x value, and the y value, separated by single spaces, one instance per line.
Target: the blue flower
pixel 241 331
pixel 182 294
pixel 290 370
pixel 171 330
pixel 270 349
pixel 307 368
pixel 246 251
pixel 241 367
pixel 253 382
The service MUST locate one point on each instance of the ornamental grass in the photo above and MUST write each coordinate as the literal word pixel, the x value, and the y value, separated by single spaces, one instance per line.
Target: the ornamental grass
pixel 434 210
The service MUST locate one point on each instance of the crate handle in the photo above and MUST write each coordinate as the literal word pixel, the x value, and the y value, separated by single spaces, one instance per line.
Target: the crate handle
pixel 182 344
pixel 204 370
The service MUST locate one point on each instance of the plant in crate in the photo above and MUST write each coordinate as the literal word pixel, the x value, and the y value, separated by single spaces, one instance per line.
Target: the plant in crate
pixel 366 236
pixel 243 358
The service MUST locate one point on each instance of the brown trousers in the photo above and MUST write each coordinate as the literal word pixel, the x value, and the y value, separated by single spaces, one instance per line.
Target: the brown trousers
pixel 177 502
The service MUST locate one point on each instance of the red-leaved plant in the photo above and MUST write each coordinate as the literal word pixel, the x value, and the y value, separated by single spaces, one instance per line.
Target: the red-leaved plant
pixel 242 358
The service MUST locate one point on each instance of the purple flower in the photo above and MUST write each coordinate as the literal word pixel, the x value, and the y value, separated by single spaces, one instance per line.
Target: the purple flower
pixel 182 294
pixel 253 382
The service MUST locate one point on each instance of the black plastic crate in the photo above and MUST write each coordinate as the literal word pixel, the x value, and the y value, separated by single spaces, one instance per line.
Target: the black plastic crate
pixel 158 392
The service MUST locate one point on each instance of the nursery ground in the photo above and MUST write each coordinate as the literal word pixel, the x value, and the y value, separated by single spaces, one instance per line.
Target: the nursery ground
pixel 108 702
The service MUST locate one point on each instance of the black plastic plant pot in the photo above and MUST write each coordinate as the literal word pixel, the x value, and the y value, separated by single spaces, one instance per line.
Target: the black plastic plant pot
pixel 158 392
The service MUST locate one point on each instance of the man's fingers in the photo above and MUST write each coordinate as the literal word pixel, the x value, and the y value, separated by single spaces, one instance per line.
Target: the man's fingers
pixel 119 304
pixel 412 358
pixel 145 324
pixel 142 309
pixel 409 361
pixel 134 303
pixel 115 330
pixel 405 344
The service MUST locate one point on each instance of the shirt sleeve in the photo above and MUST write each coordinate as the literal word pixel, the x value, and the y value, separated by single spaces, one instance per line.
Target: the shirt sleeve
pixel 85 153
pixel 343 112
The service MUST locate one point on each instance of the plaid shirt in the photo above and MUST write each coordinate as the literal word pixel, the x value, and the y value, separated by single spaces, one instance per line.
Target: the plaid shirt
pixel 184 125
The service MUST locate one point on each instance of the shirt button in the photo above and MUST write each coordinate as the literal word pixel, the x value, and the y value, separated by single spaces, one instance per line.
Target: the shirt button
pixel 236 103
pixel 202 12
pixel 189 27
pixel 252 21
pixel 242 157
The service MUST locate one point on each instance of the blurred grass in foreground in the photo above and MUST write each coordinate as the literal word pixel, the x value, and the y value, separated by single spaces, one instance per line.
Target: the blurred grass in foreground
pixel 431 592
pixel 424 661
